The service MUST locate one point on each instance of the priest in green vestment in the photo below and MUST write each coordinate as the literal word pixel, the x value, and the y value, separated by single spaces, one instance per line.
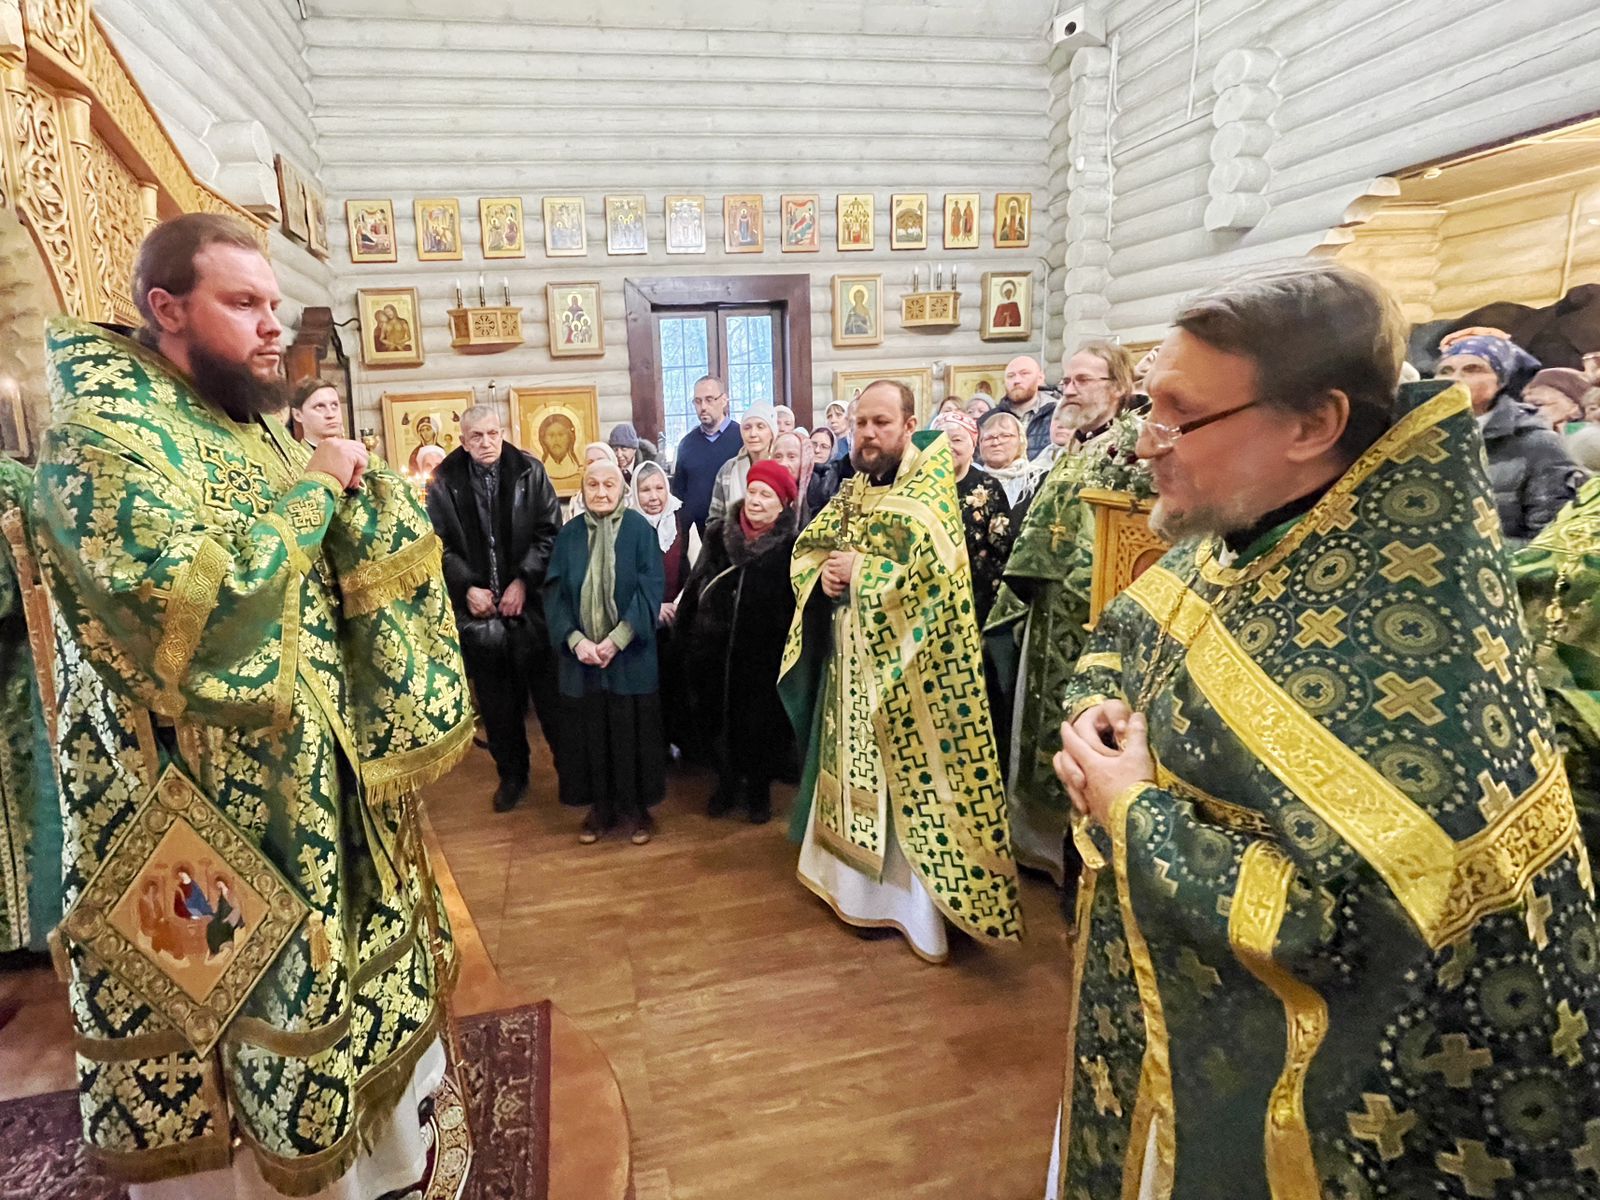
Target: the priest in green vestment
pixel 1043 607
pixel 1338 935
pixel 1558 576
pixel 901 812
pixel 30 811
pixel 270 625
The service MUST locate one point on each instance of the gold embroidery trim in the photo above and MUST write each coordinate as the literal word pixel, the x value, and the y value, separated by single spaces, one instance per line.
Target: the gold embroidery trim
pixel 412 770
pixel 1099 662
pixel 194 598
pixel 1155 1102
pixel 1259 902
pixel 1080 958
pixel 1443 885
pixel 327 481
pixel 291 543
pixel 1440 408
pixel 382 581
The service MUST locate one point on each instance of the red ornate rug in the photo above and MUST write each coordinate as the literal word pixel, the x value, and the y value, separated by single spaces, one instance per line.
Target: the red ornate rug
pixel 505 1073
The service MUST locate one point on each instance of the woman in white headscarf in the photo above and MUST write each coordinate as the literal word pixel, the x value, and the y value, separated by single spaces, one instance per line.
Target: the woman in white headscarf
pixel 680 546
pixel 1003 450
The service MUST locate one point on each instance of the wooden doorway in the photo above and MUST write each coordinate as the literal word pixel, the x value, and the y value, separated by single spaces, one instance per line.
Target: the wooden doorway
pixel 753 331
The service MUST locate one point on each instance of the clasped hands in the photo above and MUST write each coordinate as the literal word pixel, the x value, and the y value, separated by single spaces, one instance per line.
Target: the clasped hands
pixel 481 601
pixel 596 654
pixel 836 573
pixel 1104 752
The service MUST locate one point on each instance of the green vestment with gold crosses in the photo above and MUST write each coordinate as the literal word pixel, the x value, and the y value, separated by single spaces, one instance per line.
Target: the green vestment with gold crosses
pixel 1558 575
pixel 1346 944
pixel 1044 600
pixel 885 690
pixel 290 649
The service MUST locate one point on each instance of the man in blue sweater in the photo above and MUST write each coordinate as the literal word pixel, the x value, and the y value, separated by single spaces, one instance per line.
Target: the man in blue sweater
pixel 704 449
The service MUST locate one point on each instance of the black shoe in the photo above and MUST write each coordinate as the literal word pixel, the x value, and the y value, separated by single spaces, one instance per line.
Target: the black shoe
pixel 758 800
pixel 509 793
pixel 724 800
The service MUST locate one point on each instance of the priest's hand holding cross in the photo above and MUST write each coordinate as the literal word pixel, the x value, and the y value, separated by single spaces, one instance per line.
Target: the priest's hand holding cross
pixel 1103 753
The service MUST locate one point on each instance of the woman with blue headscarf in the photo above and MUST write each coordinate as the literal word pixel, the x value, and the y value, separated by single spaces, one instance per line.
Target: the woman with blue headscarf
pixel 1532 474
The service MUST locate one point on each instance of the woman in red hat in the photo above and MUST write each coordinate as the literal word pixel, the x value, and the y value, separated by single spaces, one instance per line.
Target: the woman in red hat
pixel 736 610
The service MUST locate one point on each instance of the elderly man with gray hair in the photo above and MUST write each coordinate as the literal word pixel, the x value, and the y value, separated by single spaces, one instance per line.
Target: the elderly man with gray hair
pixel 496 512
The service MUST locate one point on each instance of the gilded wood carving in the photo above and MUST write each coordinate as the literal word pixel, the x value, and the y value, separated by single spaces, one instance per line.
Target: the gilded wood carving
pixel 84 162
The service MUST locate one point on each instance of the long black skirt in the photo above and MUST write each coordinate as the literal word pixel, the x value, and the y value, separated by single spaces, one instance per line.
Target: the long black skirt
pixel 614 762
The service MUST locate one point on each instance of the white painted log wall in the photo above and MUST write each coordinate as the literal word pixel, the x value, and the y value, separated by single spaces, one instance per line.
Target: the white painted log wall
pixel 1367 88
pixel 204 64
pixel 408 108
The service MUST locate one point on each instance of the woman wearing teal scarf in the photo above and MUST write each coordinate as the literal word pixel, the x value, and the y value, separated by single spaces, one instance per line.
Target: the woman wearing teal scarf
pixel 602 593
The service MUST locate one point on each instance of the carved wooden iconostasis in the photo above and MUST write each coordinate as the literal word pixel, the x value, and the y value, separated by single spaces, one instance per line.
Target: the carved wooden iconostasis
pixel 85 170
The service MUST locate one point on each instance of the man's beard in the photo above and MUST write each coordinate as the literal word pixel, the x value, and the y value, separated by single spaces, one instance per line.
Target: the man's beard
pixel 1174 525
pixel 234 387
pixel 870 460
pixel 1025 396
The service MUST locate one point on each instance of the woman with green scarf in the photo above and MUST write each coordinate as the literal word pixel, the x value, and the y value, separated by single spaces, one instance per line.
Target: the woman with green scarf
pixel 602 593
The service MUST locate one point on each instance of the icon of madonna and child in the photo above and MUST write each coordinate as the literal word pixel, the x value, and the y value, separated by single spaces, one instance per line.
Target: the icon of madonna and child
pixel 191 917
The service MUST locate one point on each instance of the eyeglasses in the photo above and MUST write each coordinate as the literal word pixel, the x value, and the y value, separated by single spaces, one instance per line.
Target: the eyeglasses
pixel 1082 381
pixel 1165 437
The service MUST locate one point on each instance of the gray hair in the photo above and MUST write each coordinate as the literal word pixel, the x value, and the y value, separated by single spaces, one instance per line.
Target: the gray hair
pixel 1310 328
pixel 479 412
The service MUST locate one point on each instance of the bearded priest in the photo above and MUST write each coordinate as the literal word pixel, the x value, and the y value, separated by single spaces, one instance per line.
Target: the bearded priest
pixel 257 668
pixel 1339 934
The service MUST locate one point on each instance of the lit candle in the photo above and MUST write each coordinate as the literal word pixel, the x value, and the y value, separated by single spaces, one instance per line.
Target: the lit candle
pixel 481 299
pixel 505 287
pixel 458 293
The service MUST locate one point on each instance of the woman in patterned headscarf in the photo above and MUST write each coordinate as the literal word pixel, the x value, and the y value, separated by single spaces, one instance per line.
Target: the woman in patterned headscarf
pixel 1533 475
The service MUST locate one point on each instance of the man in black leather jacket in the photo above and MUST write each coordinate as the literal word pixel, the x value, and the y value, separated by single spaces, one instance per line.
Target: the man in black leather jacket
pixel 494 509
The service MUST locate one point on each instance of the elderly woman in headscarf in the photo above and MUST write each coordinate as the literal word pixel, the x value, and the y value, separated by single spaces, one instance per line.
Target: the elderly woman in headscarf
pixel 592 453
pixel 680 548
pixel 985 512
pixel 603 593
pixel 1003 454
pixel 757 428
pixel 792 450
pixel 1532 474
pixel 735 616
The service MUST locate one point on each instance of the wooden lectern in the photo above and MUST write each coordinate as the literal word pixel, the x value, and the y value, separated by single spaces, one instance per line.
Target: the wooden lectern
pixel 1124 544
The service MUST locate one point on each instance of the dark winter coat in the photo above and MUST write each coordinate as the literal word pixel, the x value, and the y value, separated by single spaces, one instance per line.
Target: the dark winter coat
pixel 733 621
pixel 530 518
pixel 634 671
pixel 1532 474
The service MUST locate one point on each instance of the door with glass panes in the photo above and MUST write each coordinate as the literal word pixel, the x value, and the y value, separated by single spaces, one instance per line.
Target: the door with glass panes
pixel 740 344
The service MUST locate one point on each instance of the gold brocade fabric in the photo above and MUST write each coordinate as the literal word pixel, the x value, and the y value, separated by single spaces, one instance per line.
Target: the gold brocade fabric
pixel 1346 944
pixel 887 695
pixel 199 622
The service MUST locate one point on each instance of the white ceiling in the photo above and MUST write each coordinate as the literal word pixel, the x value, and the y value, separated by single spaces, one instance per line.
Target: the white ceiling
pixel 951 18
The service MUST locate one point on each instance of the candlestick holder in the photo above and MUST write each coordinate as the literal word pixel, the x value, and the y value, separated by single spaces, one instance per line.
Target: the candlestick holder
pixel 930 310
pixel 488 329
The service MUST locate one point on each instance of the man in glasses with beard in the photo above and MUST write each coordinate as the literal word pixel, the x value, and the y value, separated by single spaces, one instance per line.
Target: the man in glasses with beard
pixel 259 627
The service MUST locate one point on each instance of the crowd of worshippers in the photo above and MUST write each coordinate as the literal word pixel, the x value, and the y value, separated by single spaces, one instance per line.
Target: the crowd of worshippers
pixel 645 619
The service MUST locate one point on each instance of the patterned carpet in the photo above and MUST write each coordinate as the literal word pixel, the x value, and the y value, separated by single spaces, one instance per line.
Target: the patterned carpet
pixel 505 1073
